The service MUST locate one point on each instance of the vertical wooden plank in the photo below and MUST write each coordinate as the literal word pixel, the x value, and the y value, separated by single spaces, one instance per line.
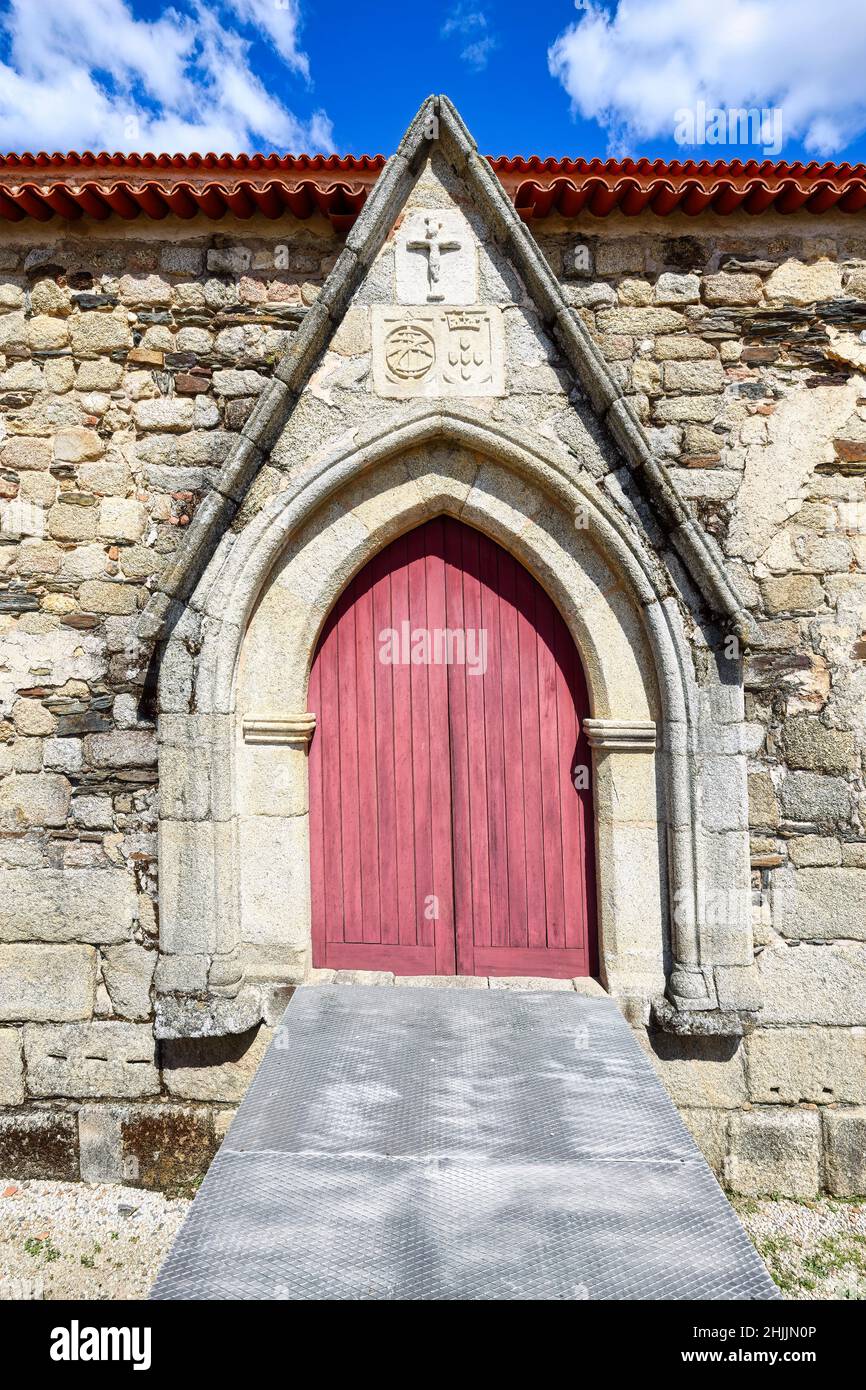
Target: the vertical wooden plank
pixel 366 655
pixel 516 927
pixel 494 733
pixel 416 563
pixel 350 810
pixel 551 755
pixel 460 803
pixel 403 756
pixel 331 810
pixel 386 784
pixel 531 739
pixel 476 740
pixel 440 759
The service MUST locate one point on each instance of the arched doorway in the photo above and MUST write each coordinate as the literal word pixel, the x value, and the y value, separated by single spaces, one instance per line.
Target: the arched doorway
pixel 451 826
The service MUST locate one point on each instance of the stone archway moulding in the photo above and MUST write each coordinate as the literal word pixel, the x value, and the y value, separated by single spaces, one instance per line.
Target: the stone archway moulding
pixel 220 740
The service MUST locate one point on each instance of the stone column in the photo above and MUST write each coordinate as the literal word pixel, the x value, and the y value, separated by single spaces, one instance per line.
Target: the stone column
pixel 631 891
pixel 273 830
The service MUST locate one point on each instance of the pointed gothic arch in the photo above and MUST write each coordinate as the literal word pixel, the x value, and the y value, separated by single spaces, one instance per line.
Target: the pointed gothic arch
pixel 234 726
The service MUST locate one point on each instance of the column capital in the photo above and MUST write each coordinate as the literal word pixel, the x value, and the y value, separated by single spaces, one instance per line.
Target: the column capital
pixel 291 730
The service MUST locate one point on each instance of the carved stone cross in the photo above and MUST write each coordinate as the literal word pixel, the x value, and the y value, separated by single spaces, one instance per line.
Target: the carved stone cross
pixel 434 246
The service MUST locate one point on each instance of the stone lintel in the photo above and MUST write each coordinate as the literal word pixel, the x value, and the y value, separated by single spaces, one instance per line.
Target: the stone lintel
pixel 294 730
pixel 621 735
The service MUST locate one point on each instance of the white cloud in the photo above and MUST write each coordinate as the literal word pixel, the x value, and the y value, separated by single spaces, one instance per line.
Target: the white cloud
pixel 463 20
pixel 88 74
pixel 280 20
pixel 632 69
pixel 476 54
pixel 466 22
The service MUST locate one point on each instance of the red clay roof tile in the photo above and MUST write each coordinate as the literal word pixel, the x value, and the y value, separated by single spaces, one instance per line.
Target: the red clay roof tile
pixel 72 186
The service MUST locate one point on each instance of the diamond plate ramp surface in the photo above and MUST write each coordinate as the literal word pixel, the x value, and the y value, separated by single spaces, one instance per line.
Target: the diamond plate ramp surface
pixel 437 1144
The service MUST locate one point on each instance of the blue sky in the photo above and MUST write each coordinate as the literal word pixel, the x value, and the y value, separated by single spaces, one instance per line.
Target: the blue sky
pixel 549 77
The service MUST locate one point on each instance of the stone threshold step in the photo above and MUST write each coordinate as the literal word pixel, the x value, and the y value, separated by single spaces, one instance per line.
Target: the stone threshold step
pixel 587 987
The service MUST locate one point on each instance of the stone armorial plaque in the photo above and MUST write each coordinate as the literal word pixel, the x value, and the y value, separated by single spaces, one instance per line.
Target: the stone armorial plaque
pixel 445 350
pixel 434 259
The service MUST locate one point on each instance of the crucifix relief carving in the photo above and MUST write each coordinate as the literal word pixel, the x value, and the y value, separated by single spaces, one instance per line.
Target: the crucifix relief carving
pixel 434 245
pixel 435 258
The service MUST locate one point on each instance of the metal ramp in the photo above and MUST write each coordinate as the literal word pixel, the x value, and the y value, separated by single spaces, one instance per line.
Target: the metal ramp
pixel 416 1143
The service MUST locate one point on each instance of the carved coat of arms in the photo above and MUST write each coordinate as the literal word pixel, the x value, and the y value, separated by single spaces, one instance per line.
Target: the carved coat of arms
pixel 438 351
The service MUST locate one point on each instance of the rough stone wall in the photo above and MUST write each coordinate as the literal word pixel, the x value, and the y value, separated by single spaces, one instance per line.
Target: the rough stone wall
pixel 743 351
pixel 128 359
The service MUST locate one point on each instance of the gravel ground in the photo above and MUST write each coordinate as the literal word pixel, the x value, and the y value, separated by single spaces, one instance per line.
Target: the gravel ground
pixel 813 1249
pixel 82 1241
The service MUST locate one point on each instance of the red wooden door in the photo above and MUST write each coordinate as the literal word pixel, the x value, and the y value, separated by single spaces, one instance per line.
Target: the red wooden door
pixel 447 832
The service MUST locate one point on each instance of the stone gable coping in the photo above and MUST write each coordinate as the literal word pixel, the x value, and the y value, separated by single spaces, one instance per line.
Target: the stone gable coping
pixel 437 120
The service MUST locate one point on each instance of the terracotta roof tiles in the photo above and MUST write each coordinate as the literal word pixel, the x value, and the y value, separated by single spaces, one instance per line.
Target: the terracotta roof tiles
pixel 72 186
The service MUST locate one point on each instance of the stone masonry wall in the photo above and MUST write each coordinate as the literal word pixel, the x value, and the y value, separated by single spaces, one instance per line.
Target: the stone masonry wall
pixel 127 362
pixel 743 352
pixel 128 357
